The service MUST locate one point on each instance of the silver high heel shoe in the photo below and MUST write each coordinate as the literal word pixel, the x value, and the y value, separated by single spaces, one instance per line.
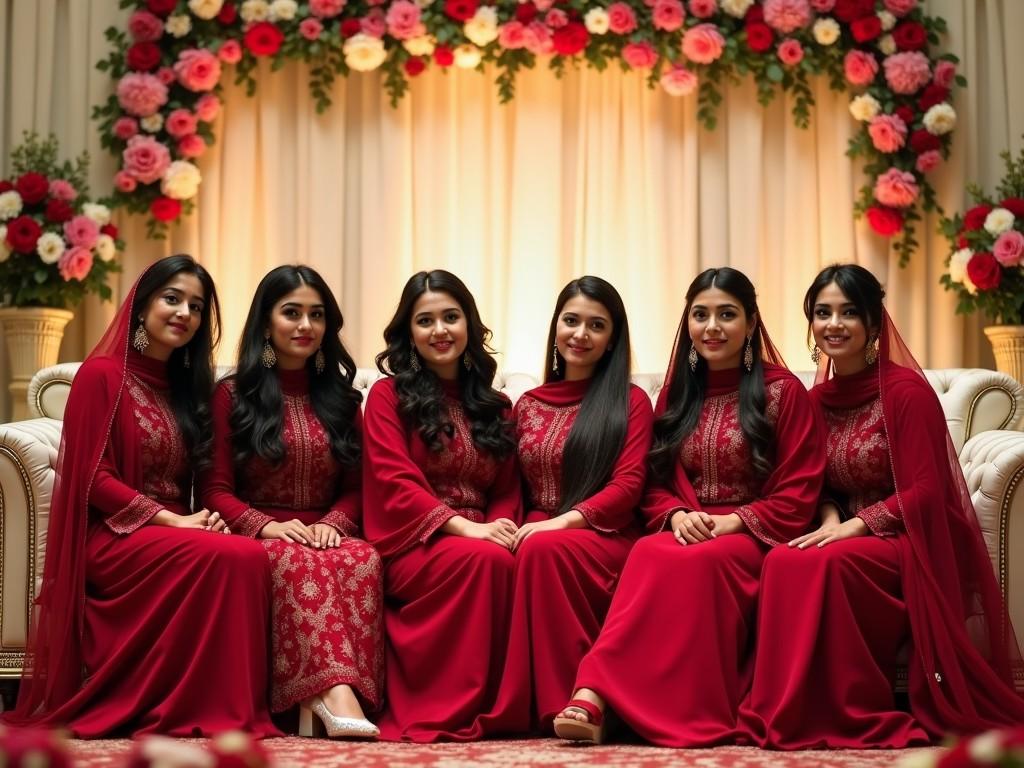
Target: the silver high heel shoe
pixel 336 727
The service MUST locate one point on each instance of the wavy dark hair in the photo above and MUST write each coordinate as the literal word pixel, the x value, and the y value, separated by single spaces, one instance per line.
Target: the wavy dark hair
pixel 858 285
pixel 192 385
pixel 420 396
pixel 685 397
pixel 599 431
pixel 257 413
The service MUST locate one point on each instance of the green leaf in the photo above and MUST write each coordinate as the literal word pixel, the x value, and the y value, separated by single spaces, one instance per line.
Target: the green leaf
pixel 774 73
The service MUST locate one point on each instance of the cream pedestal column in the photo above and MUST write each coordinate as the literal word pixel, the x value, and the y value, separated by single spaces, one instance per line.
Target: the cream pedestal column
pixel 1008 346
pixel 33 336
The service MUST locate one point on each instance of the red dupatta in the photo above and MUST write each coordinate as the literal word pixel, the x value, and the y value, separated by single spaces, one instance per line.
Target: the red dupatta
pixel 963 643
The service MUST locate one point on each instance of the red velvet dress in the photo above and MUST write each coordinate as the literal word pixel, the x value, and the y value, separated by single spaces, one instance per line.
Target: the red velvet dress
pixel 327 627
pixel 447 598
pixel 673 659
pixel 564 579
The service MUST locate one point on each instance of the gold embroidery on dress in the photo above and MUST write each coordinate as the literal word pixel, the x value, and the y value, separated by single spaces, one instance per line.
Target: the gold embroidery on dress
pixel 541 432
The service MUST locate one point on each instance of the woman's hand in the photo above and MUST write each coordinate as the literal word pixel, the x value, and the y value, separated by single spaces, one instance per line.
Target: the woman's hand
pixel 692 527
pixel 293 530
pixel 325 536
pixel 831 531
pixel 203 520
pixel 501 531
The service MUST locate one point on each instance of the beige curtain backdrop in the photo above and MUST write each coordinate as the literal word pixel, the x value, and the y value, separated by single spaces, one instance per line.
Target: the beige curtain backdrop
pixel 591 174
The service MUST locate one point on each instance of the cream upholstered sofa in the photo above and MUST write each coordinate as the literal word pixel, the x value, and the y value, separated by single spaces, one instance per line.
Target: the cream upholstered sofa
pixel 984 411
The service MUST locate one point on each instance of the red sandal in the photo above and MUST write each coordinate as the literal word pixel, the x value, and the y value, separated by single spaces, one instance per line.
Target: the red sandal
pixel 591 730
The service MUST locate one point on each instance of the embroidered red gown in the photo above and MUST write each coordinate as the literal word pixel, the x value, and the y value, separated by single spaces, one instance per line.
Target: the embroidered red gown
pixel 447 598
pixel 327 626
pixel 673 659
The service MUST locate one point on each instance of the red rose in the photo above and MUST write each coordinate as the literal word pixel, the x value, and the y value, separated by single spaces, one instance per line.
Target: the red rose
pixel 921 141
pixel 460 10
pixel 975 218
pixel 961 242
pixel 754 15
pixel 848 11
pixel 885 221
pixel 161 7
pixel 866 28
pixel 910 36
pixel 263 39
pixel 228 13
pixel 5 186
pixel 414 65
pixel 933 94
pixel 350 27
pixel 1014 205
pixel 165 209
pixel 33 187
pixel 904 113
pixel 58 211
pixel 443 56
pixel 23 234
pixel 984 271
pixel 109 229
pixel 143 57
pixel 759 37
pixel 570 39
pixel 525 12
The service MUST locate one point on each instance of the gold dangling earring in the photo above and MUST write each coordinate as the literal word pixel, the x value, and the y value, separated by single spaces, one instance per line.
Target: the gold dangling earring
pixel 815 354
pixel 187 360
pixel 554 359
pixel 414 361
pixel 141 339
pixel 871 351
pixel 320 361
pixel 467 362
pixel 692 358
pixel 269 356
pixel 748 356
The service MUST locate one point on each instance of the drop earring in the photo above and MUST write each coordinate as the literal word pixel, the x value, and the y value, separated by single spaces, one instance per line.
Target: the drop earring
pixel 554 359
pixel 871 351
pixel 414 362
pixel 269 356
pixel 692 358
pixel 815 354
pixel 320 361
pixel 748 355
pixel 141 339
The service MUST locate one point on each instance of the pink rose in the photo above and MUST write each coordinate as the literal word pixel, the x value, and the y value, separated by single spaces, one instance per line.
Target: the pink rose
pixel 823 6
pixel 888 133
pixel 124 181
pixel 556 18
pixel 311 28
pixel 207 108
pixel 325 9
pixel 896 188
pixel 538 39
pixel 512 35
pixel 703 9
pixel 180 123
pixel 703 43
pixel 166 75
pixel 191 146
pixel 785 16
pixel 907 72
pixel 82 231
pixel 791 52
pixel 144 27
pixel 373 23
pixel 75 263
pixel 543 5
pixel 678 81
pixel 230 52
pixel 197 69
pixel 860 67
pixel 945 74
pixel 621 19
pixel 928 161
pixel 640 55
pixel 403 20
pixel 63 190
pixel 125 127
pixel 1009 248
pixel 146 159
pixel 668 15
pixel 900 7
pixel 141 94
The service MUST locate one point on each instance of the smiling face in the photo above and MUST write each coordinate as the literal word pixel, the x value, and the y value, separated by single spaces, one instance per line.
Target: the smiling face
pixel 296 327
pixel 582 335
pixel 173 314
pixel 840 330
pixel 719 327
pixel 439 332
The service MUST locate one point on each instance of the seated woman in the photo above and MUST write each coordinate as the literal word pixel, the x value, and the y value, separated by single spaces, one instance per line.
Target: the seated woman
pixel 287 470
pixel 736 469
pixel 143 624
pixel 442 501
pixel 898 562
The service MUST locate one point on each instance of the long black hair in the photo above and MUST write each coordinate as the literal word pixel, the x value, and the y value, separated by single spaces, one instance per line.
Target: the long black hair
pixel 599 431
pixel 858 285
pixel 258 410
pixel 192 384
pixel 420 396
pixel 685 397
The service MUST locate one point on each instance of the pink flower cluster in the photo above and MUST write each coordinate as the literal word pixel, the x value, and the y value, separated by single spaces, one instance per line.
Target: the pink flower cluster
pixel 703 43
pixel 786 16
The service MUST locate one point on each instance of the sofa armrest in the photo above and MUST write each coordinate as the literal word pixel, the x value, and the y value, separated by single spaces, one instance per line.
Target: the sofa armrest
pixel 49 389
pixel 28 456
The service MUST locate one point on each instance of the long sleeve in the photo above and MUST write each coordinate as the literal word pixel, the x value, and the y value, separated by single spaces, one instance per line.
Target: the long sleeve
pixel 346 512
pixel 124 509
pixel 663 497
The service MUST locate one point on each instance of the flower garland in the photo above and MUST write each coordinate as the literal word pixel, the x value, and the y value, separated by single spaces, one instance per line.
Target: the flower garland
pixel 170 62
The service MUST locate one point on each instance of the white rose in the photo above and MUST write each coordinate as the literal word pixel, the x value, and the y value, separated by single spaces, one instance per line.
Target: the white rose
pixel 420 46
pixel 887 19
pixel 254 10
pixel 97 212
pixel 737 8
pixel 105 248
pixel 50 247
pixel 865 107
pixel 181 180
pixel 364 53
pixel 596 21
pixel 10 206
pixel 205 9
pixel 887 45
pixel 283 10
pixel 958 266
pixel 986 748
pixel 178 25
pixel 940 119
pixel 152 123
pixel 483 27
pixel 826 31
pixel 999 220
pixel 467 56
pixel 5 252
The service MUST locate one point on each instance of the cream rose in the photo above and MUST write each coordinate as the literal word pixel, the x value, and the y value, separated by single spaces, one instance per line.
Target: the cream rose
pixel 940 119
pixel 483 27
pixel 5 252
pixel 958 268
pixel 736 8
pixel 887 19
pixel 178 25
pixel 999 220
pixel 152 123
pixel 887 45
pixel 596 21
pixel 205 9
pixel 10 206
pixel 283 10
pixel 50 247
pixel 97 212
pixel 420 46
pixel 254 10
pixel 181 180
pixel 105 248
pixel 865 107
pixel 364 53
pixel 467 56
pixel 826 31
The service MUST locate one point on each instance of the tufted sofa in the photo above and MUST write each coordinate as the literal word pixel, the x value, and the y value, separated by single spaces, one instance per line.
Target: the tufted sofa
pixel 984 411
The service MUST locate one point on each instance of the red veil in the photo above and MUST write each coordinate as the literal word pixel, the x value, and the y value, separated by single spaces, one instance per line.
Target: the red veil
pixel 53 660
pixel 963 644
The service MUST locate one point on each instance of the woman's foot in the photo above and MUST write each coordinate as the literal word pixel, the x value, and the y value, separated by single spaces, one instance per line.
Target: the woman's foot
pixel 342 701
pixel 582 719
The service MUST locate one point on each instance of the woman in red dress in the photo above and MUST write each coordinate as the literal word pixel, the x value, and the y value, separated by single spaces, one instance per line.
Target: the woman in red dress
pixel 287 470
pixel 442 500
pixel 728 483
pixel 898 563
pixel 143 624
pixel 583 438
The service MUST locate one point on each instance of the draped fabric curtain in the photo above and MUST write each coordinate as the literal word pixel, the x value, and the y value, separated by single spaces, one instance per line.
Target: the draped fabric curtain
pixel 593 173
